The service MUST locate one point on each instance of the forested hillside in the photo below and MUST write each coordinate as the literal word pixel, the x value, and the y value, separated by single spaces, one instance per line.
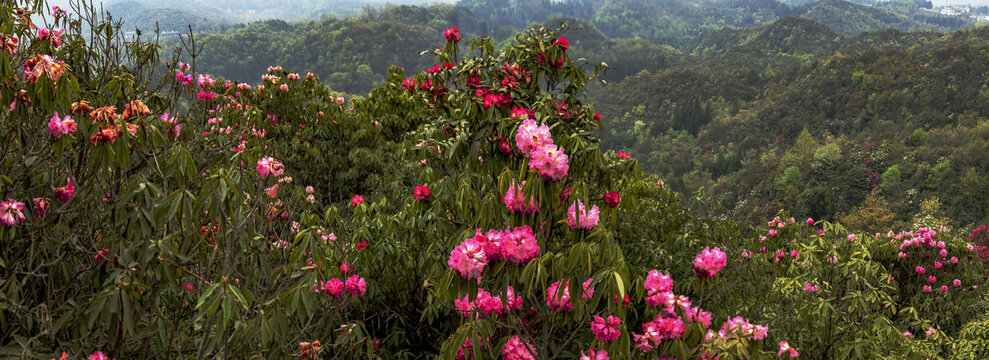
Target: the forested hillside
pixel 822 125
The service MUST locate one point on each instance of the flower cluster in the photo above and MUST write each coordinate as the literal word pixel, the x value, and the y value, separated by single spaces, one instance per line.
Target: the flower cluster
pixel 515 349
pixel 421 193
pixel 517 245
pixel 558 296
pixel 268 166
pixel 487 304
pixel 579 218
pixel 43 65
pixel 515 200
pixel 58 127
pixel 606 330
pixel 66 192
pixel 12 213
pixel 659 329
pixel 536 143
pixel 594 355
pixel 786 349
pixel 354 285
pixel 54 36
pixel 709 262
pixel 611 199
pixel 740 326
pixel 468 259
pixel 658 287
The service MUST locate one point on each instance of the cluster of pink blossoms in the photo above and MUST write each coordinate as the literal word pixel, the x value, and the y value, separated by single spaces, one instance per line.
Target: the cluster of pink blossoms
pixel 740 326
pixel 58 127
pixel 594 355
pixel 558 297
pixel 515 349
pixel 65 193
pixel 654 332
pixel 579 218
pixel 786 349
pixel 487 304
pixel 709 262
pixel 421 193
pixel 606 330
pixel 515 200
pixel 468 259
pixel 55 36
pixel 354 285
pixel 12 213
pixel 268 166
pixel 658 287
pixel 536 143
pixel 517 245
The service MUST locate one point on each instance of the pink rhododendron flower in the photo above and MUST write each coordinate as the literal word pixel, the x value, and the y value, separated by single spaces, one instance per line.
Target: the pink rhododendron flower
pixel 810 288
pixel 355 285
pixel 944 288
pixel 550 161
pixel 611 198
pixel 272 191
pixel 772 232
pixel 12 213
pixel 810 221
pixel 927 288
pixel 468 259
pixel 557 297
pixel 738 325
pixel 452 34
pixel 356 200
pixel 515 200
pixel 518 246
pixel 953 260
pixel 515 349
pixel 58 127
pixel 588 289
pixel 606 330
pixel 709 262
pixel 562 43
pixel 268 166
pixel 421 193
pixel 345 267
pixel 623 155
pixel 695 314
pixel 66 192
pixel 594 355
pixel 97 356
pixel 956 283
pixel 334 287
pixel 55 36
pixel 785 348
pixel 579 218
pixel 531 136
pixel 851 237
pixel 657 286
pixel 920 270
pixel 40 207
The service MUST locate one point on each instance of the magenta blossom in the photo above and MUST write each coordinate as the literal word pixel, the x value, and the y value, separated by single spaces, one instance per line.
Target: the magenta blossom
pixel 268 166
pixel 709 262
pixel 58 127
pixel 355 285
pixel 579 218
pixel 66 192
pixel 611 199
pixel 12 213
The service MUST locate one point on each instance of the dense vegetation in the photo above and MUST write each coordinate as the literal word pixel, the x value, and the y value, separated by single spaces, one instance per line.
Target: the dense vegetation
pixel 792 116
pixel 467 211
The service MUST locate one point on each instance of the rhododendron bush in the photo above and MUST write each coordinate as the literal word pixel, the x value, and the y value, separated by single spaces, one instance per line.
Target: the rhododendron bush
pixel 462 211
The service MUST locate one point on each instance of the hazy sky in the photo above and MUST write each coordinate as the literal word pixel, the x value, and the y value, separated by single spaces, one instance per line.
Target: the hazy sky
pixel 960 2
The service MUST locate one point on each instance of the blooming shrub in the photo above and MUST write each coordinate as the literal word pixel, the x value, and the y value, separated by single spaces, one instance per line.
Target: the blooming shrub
pixel 238 227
